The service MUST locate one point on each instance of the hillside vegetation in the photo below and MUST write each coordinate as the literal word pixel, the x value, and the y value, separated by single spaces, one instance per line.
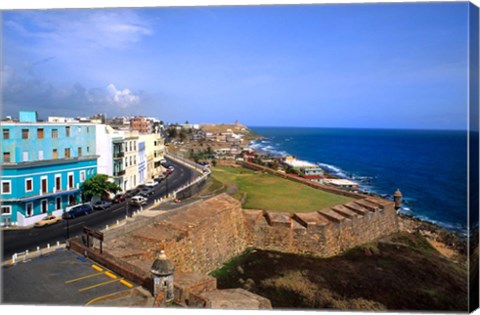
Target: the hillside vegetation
pixel 400 272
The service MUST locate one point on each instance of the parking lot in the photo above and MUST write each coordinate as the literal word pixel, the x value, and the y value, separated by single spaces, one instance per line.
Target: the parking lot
pixel 59 278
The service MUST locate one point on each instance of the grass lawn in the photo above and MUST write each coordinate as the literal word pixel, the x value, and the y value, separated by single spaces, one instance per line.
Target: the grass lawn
pixel 269 192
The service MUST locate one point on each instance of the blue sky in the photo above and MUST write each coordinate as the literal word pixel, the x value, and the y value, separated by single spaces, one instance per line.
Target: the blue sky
pixel 338 65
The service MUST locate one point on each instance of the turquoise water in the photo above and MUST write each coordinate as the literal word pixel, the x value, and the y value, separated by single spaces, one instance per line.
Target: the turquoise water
pixel 428 166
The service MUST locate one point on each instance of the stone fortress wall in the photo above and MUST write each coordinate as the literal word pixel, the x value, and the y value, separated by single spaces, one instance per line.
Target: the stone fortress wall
pixel 324 233
pixel 202 236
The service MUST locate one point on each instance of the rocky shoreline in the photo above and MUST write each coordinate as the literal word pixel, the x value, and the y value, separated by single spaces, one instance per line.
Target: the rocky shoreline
pixel 450 244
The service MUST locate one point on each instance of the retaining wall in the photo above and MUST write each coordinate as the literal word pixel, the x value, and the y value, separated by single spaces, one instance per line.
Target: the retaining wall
pixel 304 181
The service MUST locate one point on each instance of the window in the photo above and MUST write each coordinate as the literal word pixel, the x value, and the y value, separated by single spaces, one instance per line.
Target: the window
pixel 67 153
pixel 82 176
pixel 88 149
pixel 40 133
pixel 58 203
pixel 40 155
pixel 55 133
pixel 6 157
pixel 44 184
pixel 28 184
pixel 25 133
pixel 88 129
pixel 55 154
pixel 6 134
pixel 67 131
pixel 44 205
pixel 79 152
pixel 58 182
pixel 29 209
pixel 25 156
pixel 70 180
pixel 6 187
pixel 6 209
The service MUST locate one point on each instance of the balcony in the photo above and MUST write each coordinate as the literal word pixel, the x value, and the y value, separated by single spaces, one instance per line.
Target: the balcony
pixel 118 173
pixel 118 155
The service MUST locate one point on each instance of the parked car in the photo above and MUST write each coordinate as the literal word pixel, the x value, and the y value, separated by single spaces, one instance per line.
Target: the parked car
pixel 138 200
pixel 132 192
pixel 119 198
pixel 48 220
pixel 168 171
pixel 147 191
pixel 101 205
pixel 77 211
pixel 151 183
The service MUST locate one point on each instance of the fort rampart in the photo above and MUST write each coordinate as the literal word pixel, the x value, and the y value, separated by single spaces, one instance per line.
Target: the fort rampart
pixel 202 236
pixel 323 233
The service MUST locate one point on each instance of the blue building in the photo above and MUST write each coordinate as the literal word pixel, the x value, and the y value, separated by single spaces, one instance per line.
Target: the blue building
pixel 43 166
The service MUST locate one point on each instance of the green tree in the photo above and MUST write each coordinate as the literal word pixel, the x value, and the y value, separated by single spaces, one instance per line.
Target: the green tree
pixel 172 131
pixel 182 135
pixel 98 185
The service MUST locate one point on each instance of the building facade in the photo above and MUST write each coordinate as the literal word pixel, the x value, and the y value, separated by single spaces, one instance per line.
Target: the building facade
pixel 141 124
pixel 44 165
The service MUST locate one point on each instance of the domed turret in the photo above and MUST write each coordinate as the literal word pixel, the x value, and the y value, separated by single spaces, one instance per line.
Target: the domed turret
pixel 162 273
pixel 397 198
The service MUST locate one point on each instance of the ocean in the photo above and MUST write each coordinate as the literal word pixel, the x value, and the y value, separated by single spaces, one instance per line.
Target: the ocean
pixel 428 166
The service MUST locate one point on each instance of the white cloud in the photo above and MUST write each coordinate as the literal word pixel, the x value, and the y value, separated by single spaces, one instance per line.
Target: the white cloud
pixel 123 98
pixel 27 91
pixel 84 30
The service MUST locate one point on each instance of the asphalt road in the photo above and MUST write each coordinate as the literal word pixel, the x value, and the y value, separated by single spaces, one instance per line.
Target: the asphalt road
pixel 16 241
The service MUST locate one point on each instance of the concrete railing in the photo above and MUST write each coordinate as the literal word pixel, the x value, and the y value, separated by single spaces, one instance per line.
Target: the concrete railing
pixel 27 255
pixel 199 168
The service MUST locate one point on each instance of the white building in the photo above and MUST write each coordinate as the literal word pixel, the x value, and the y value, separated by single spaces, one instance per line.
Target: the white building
pixel 341 183
pixel 309 170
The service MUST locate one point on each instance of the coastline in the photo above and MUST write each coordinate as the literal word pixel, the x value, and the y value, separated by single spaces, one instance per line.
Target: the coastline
pixel 450 243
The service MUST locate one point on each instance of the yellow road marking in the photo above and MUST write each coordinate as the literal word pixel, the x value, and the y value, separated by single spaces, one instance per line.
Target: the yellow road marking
pixel 110 275
pixel 97 285
pixel 103 297
pixel 86 277
pixel 97 268
pixel 128 284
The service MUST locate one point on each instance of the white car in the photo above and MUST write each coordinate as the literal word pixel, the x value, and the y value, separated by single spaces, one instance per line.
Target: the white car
pixel 138 200
pixel 151 183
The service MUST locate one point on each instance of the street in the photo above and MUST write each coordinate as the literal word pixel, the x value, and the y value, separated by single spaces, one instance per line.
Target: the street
pixel 19 240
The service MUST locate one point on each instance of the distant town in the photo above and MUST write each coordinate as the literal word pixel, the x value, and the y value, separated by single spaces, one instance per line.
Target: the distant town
pixel 46 161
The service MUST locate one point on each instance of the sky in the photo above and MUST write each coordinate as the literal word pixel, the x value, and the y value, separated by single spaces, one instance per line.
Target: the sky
pixel 401 65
